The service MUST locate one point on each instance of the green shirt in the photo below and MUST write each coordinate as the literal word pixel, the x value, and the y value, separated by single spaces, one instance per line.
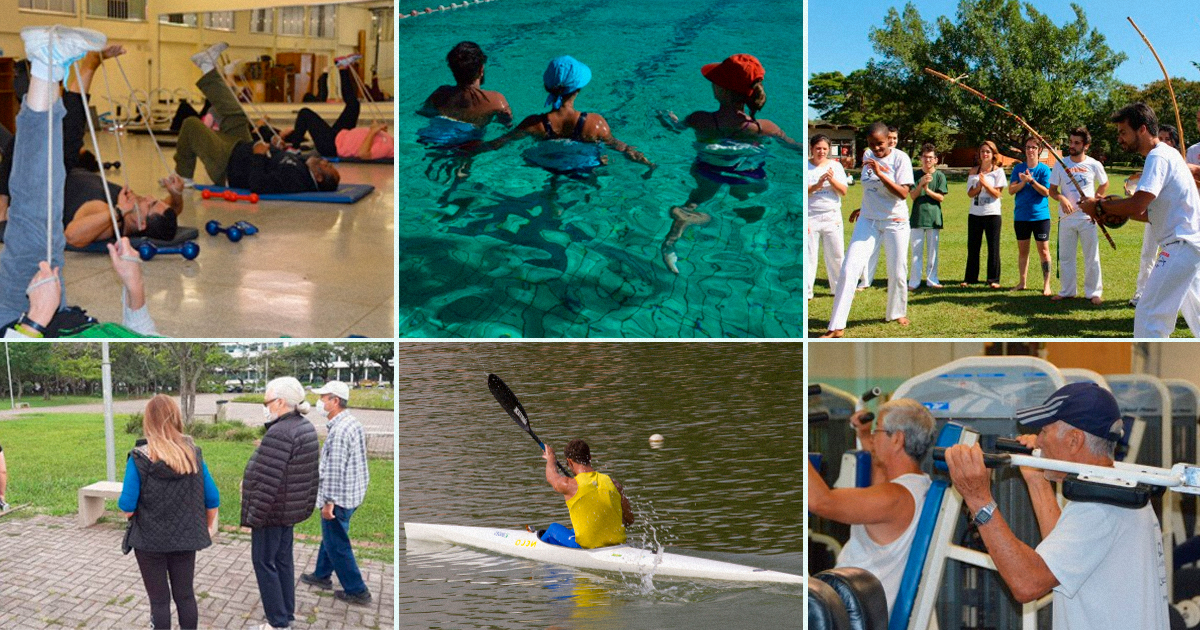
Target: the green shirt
pixel 927 211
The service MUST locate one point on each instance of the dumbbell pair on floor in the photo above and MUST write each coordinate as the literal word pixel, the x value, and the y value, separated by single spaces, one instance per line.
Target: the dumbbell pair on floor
pixel 235 232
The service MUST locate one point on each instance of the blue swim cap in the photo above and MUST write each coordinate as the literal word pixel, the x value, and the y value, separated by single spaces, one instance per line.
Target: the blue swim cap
pixel 563 76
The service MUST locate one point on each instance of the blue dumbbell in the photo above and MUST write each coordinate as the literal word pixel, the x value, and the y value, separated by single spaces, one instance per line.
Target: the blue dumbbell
pixel 189 250
pixel 235 232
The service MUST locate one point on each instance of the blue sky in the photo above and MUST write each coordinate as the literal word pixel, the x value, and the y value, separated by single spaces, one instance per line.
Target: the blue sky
pixel 838 32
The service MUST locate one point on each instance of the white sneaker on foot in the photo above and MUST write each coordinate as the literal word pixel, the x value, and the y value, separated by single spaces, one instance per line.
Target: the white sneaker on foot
pixel 188 182
pixel 51 49
pixel 207 59
pixel 346 61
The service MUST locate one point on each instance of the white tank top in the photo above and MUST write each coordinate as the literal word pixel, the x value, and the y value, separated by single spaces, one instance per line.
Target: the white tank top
pixel 886 562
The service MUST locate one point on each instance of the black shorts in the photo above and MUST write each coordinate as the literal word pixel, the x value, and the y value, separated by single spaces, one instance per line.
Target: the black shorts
pixel 1039 229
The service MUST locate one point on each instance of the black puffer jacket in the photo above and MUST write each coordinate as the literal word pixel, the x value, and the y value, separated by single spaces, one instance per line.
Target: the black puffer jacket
pixel 279 487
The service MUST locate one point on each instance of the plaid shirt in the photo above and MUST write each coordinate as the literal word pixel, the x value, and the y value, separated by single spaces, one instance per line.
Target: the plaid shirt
pixel 344 474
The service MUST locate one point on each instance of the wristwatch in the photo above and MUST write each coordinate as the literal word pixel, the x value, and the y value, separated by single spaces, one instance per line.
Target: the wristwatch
pixel 984 514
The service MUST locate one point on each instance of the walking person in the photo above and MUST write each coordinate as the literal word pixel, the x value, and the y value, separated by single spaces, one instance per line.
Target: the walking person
pixel 1077 229
pixel 3 481
pixel 827 184
pixel 1030 188
pixel 926 220
pixel 279 489
pixel 171 502
pixel 344 479
pixel 984 185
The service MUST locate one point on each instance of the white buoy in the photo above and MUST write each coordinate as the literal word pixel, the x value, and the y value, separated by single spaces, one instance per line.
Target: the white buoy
pixel 656 440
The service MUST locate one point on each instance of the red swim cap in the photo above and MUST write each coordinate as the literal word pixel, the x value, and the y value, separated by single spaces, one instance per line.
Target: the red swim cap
pixel 738 73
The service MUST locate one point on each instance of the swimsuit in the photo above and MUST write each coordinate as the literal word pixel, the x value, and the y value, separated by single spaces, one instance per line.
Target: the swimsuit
pixel 731 161
pixel 572 156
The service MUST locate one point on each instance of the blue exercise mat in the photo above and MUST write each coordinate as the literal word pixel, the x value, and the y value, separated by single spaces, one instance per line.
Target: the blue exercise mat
pixel 354 160
pixel 346 193
pixel 182 235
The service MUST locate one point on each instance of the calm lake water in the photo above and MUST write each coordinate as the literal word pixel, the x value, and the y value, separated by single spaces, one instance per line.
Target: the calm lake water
pixel 726 484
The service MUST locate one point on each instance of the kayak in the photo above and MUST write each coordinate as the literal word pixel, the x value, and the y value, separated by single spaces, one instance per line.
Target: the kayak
pixel 617 558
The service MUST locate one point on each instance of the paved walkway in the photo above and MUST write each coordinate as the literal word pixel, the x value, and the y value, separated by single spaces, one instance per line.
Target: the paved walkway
pixel 379 424
pixel 54 574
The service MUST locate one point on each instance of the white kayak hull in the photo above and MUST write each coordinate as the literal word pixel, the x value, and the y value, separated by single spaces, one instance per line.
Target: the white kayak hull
pixel 620 558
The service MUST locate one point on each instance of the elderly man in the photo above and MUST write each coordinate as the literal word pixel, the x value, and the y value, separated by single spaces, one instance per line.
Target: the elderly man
pixel 279 489
pixel 344 479
pixel 1104 563
pixel 883 516
pixel 599 510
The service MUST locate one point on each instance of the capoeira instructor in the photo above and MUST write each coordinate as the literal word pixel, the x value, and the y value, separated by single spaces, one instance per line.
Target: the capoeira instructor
pixel 887 177
pixel 1167 197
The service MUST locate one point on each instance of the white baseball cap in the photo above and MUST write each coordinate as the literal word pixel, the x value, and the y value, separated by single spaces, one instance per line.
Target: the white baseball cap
pixel 337 388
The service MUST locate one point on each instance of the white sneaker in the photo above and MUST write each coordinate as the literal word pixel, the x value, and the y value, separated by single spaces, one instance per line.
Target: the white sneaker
pixel 52 49
pixel 188 182
pixel 207 59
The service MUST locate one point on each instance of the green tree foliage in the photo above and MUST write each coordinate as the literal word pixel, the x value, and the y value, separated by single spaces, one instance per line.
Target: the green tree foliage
pixel 1054 76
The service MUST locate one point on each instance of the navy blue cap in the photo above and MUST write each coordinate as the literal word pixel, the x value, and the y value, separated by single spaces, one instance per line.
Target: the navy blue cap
pixel 1085 406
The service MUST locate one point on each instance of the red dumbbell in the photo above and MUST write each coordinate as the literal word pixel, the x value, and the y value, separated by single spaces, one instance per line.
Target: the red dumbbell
pixel 229 195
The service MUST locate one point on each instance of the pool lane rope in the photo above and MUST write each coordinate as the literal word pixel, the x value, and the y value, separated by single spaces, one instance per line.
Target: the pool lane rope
pixel 442 7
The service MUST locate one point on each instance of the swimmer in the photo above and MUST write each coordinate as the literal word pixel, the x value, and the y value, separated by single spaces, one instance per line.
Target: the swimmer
pixel 572 142
pixel 729 143
pixel 459 113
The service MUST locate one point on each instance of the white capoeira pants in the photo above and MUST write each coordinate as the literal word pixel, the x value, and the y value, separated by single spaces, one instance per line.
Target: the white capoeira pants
pixel 868 274
pixel 867 234
pixel 1173 286
pixel 1075 230
pixel 920 237
pixel 1146 264
pixel 824 232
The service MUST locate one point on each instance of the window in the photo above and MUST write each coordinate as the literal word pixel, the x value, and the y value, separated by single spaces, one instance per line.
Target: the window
pixel 178 19
pixel 117 9
pixel 260 20
pixel 56 6
pixel 291 21
pixel 322 20
pixel 219 21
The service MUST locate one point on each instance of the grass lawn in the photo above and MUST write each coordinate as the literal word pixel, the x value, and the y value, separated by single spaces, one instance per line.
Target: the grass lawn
pixel 373 398
pixel 985 313
pixel 51 456
pixel 55 401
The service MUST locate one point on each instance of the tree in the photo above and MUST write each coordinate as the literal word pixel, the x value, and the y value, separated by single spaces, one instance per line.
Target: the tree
pixel 192 360
pixel 1054 76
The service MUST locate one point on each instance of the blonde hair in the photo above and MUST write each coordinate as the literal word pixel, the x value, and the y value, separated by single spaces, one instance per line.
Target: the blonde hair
pixel 995 156
pixel 165 440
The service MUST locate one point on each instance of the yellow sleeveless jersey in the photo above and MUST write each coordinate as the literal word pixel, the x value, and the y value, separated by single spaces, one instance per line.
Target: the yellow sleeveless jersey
pixel 596 511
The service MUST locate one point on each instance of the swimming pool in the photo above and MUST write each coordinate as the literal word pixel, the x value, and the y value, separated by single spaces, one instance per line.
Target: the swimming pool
pixel 503 256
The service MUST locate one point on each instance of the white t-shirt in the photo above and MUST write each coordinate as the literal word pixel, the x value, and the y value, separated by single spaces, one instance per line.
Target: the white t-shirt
pixel 1175 211
pixel 826 198
pixel 886 562
pixel 1109 563
pixel 1089 173
pixel 985 205
pixel 878 202
pixel 1193 154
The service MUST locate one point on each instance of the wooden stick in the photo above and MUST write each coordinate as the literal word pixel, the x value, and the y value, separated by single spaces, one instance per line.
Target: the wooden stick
pixel 1178 121
pixel 1033 132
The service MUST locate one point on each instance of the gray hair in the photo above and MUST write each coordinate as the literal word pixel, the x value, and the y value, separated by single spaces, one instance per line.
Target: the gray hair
pixel 1096 445
pixel 913 420
pixel 290 391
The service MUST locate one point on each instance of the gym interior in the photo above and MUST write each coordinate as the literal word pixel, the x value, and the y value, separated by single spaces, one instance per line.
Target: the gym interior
pixel 312 268
pixel 973 391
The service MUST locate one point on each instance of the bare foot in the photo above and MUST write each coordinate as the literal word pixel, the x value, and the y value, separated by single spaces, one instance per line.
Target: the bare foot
pixel 1019 287
pixel 1097 300
pixel 964 285
pixel 834 334
pixel 1047 291
pixel 993 285
pixel 903 321
pixel 933 285
pixel 689 217
pixel 1057 298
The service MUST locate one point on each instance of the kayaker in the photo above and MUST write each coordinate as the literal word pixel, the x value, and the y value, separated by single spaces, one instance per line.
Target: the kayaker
pixel 599 510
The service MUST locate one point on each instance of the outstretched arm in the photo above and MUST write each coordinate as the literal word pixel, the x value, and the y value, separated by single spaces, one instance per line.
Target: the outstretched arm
pixel 604 133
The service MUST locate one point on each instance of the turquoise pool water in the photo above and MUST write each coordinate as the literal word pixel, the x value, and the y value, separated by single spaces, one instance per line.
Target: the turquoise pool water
pixel 503 255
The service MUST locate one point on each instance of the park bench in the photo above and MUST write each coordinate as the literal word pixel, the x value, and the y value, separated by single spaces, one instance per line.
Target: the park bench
pixel 21 405
pixel 91 500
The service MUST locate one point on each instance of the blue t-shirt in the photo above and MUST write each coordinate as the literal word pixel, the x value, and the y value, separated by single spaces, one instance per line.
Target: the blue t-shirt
pixel 1029 204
